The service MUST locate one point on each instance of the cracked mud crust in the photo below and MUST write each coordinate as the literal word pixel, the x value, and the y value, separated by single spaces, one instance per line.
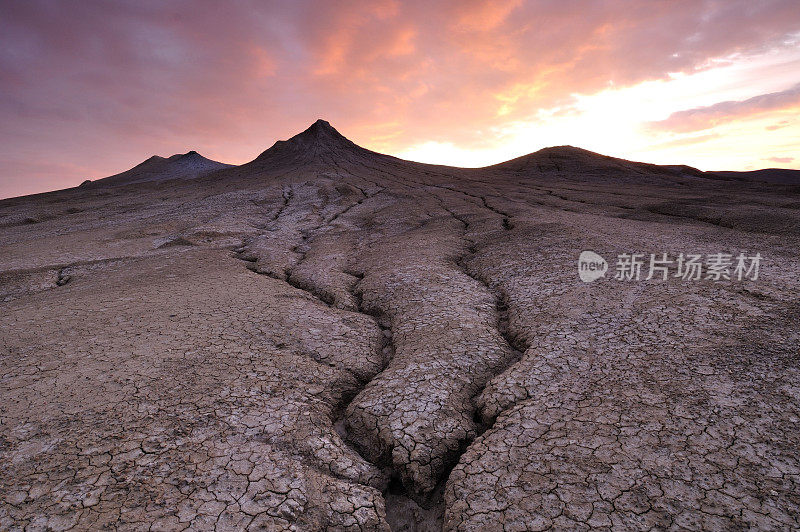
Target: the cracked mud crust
pixel 331 339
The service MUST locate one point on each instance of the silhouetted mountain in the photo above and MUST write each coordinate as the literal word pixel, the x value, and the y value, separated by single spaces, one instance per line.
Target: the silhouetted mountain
pixel 322 150
pixel 189 165
pixel 316 144
pixel 569 161
pixel 782 176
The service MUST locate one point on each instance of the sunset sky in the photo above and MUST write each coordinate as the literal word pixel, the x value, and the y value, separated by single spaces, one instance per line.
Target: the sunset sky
pixel 91 88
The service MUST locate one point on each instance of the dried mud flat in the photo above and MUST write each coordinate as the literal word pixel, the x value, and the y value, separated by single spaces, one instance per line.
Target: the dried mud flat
pixel 331 339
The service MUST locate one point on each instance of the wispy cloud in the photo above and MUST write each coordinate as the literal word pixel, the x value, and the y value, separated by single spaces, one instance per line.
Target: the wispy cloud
pixel 780 125
pixel 99 85
pixel 710 116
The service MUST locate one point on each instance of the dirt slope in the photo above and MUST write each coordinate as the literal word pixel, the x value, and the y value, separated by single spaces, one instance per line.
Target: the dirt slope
pixel 189 165
pixel 330 338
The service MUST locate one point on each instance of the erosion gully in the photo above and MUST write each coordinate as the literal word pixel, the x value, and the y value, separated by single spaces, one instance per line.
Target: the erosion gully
pixel 405 510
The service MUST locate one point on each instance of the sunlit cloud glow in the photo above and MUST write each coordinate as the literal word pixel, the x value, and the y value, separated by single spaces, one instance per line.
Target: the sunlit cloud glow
pixel 93 88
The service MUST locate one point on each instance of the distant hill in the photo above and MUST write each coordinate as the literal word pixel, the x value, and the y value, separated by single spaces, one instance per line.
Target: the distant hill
pixel 569 161
pixel 321 147
pixel 782 176
pixel 189 165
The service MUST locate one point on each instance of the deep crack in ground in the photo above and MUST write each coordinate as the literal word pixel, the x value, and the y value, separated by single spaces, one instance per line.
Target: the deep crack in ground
pixel 418 352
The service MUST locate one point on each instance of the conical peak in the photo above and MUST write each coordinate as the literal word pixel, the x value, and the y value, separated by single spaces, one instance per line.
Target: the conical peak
pixel 321 124
pixel 320 131
pixel 319 139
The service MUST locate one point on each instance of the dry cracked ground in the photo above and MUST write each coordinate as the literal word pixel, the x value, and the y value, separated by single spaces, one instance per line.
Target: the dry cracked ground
pixel 331 339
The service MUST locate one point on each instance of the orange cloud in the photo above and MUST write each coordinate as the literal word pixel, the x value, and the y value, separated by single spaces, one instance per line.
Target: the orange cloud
pixel 723 112
pixel 780 125
pixel 484 15
pixel 134 79
pixel 263 63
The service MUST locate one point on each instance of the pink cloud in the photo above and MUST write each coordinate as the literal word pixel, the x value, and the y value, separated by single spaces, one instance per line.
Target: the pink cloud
pixel 720 113
pixel 96 86
pixel 783 160
pixel 780 125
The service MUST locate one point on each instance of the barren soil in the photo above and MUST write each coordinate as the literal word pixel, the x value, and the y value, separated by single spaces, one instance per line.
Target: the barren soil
pixel 327 338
